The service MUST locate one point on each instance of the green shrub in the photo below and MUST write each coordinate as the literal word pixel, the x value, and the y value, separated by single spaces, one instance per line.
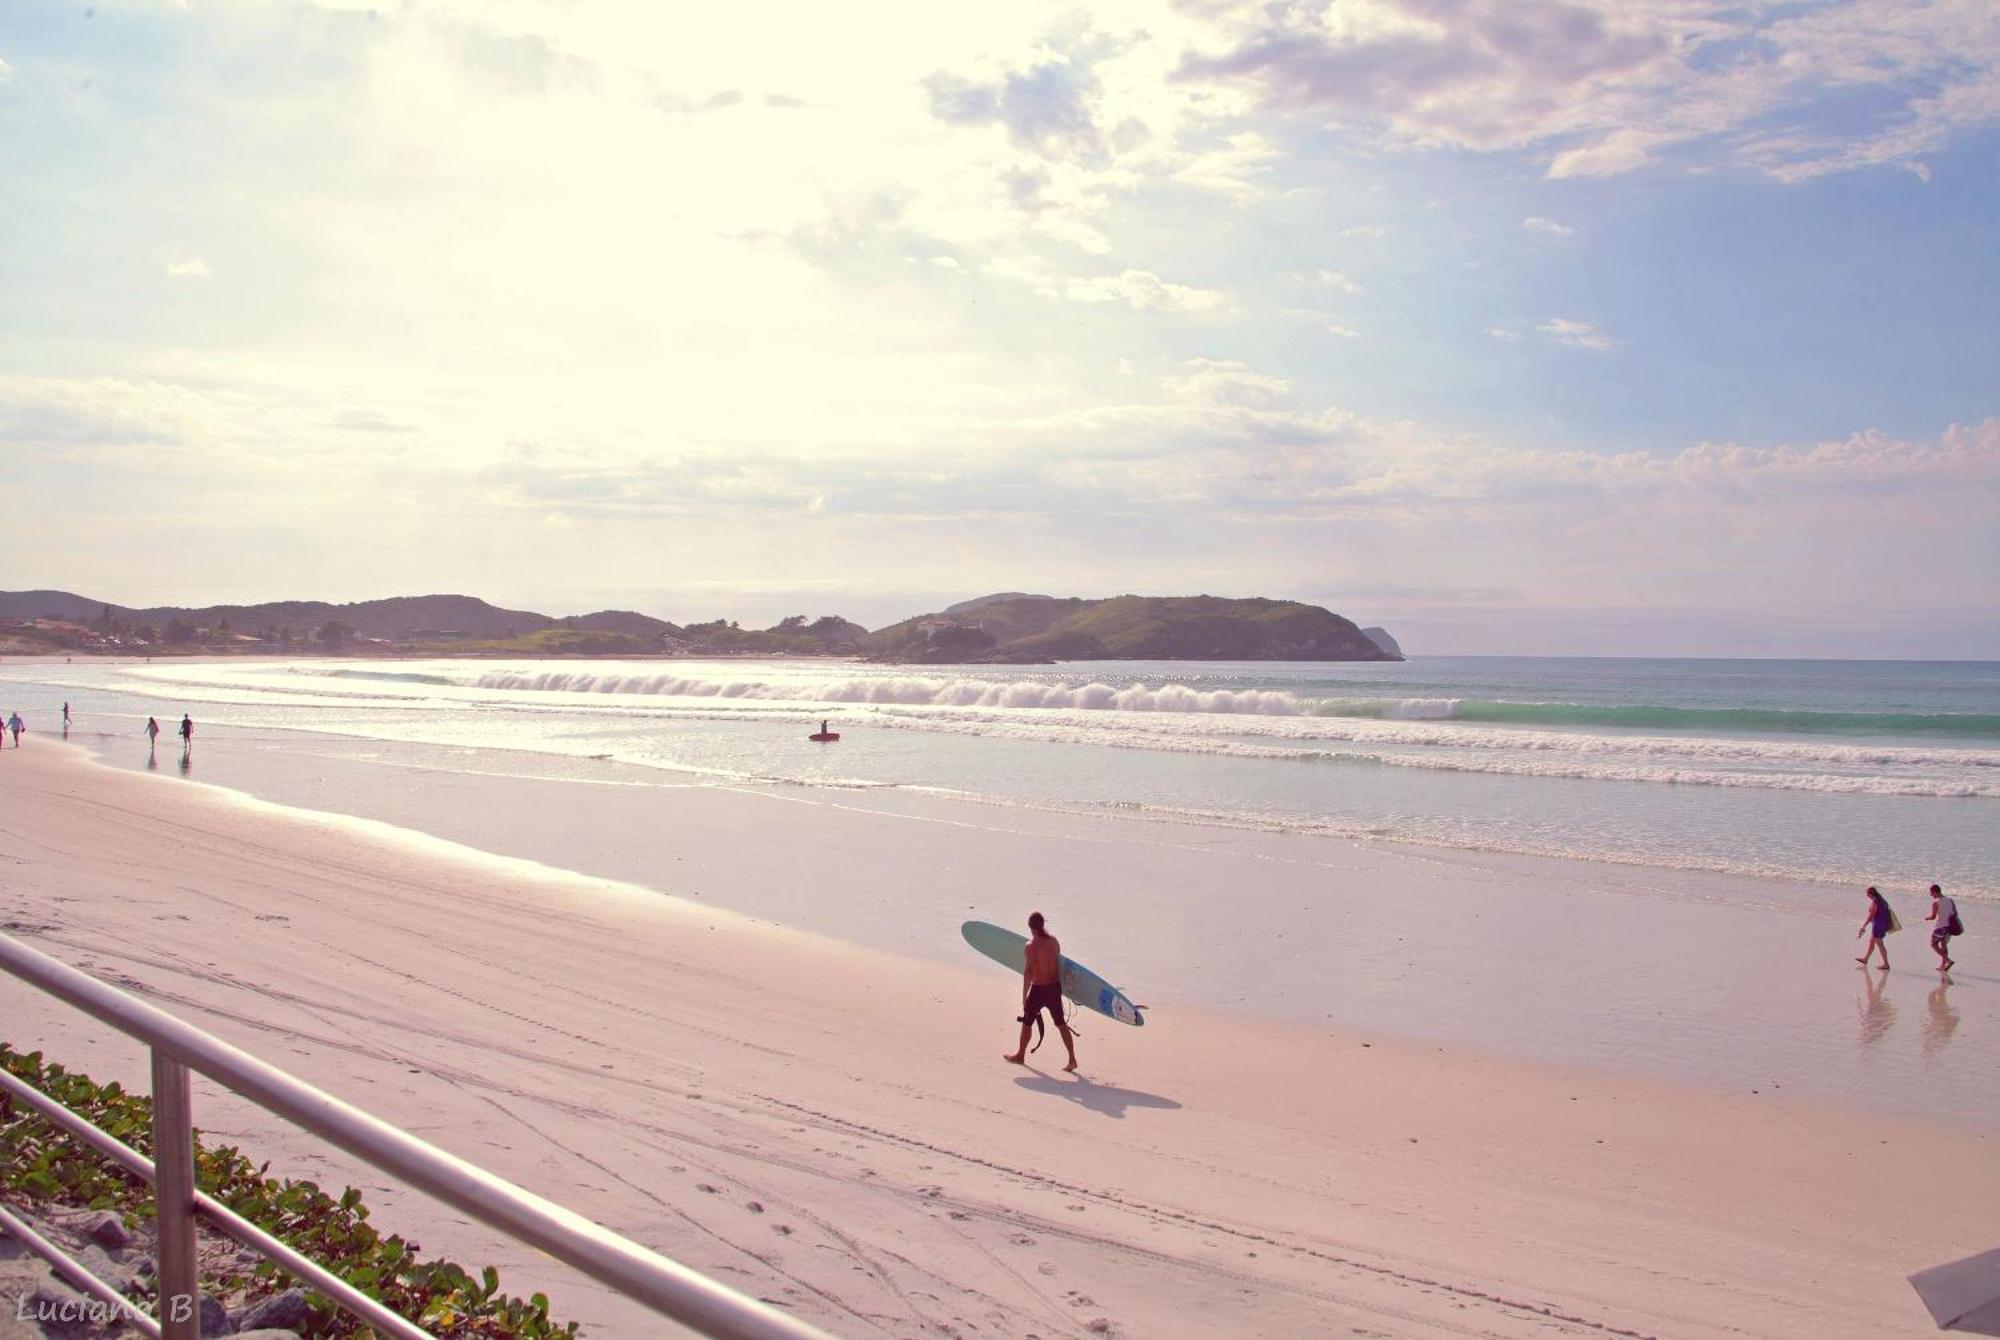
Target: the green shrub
pixel 46 1164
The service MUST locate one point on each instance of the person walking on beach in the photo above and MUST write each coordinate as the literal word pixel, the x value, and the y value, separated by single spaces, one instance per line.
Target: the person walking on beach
pixel 152 732
pixel 187 734
pixel 65 721
pixel 14 724
pixel 1945 913
pixel 1041 989
pixel 1879 922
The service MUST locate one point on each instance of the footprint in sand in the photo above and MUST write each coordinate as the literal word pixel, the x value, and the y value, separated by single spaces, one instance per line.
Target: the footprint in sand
pixel 711 1190
pixel 785 1229
pixel 1022 1240
pixel 754 1206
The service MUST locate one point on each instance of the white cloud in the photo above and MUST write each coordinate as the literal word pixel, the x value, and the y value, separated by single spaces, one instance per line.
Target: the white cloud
pixel 1334 279
pixel 193 267
pixel 1535 223
pixel 1325 321
pixel 1576 334
pixel 1601 87
pixel 1619 152
pixel 1144 291
pixel 1226 382
pixel 5 70
pixel 1502 333
pixel 1237 169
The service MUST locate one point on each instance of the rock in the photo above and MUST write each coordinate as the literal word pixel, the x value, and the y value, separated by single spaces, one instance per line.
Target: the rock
pixel 1380 637
pixel 62 1312
pixel 102 1264
pixel 284 1312
pixel 214 1318
pixel 17 1280
pixel 106 1229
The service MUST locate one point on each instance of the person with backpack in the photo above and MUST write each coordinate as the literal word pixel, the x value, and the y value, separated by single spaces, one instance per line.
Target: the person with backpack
pixel 1880 922
pixel 1945 913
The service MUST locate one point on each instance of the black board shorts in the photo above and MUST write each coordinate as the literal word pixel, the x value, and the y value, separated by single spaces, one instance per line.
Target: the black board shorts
pixel 1046 997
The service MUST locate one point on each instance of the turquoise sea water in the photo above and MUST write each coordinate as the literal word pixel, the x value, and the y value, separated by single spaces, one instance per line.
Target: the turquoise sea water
pixel 1842 773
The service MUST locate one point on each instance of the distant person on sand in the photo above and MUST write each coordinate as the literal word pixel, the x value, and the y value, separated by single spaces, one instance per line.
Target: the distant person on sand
pixel 187 733
pixel 1945 913
pixel 1880 921
pixel 1041 989
pixel 152 731
pixel 14 724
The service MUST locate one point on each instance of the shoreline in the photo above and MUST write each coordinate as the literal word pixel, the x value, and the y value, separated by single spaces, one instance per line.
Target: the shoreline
pixel 1711 980
pixel 662 1067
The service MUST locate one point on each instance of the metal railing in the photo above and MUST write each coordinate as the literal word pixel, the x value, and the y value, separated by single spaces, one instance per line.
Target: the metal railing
pixel 665 1286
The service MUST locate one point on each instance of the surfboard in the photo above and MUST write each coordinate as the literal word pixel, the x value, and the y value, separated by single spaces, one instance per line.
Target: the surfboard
pixel 1080 984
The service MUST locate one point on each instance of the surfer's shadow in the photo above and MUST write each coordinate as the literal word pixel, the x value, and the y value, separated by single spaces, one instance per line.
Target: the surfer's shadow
pixel 1109 1099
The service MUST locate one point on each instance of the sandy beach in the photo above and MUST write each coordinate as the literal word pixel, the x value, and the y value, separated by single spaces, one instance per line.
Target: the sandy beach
pixel 830 1126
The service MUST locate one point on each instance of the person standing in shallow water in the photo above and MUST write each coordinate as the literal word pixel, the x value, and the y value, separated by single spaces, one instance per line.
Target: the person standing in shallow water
pixel 1041 989
pixel 1878 923
pixel 187 734
pixel 152 732
pixel 1945 913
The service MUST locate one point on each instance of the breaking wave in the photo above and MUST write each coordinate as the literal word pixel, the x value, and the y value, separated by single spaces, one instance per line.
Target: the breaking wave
pixel 914 692
pixel 929 691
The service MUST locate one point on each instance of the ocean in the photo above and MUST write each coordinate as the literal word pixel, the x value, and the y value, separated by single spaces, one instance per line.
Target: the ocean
pixel 1834 773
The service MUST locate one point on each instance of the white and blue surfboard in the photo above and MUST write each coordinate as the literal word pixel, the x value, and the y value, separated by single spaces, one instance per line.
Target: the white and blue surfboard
pixel 1080 984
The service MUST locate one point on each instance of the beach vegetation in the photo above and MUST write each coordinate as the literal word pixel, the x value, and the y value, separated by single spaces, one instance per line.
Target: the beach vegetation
pixel 44 1164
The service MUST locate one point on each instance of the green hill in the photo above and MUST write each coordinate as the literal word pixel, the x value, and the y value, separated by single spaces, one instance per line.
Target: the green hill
pixel 1021 628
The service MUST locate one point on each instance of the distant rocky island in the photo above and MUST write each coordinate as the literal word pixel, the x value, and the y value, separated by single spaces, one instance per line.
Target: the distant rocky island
pixel 1013 627
pixel 1006 628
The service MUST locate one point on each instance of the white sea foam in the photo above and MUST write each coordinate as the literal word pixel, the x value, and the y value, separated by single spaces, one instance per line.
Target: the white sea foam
pixel 913 691
pixel 1627 762
pixel 1405 733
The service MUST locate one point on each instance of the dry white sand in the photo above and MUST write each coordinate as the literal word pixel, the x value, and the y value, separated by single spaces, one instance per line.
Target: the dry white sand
pixel 832 1128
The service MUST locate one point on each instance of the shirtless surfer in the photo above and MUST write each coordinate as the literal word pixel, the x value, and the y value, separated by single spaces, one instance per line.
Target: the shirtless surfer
pixel 1041 989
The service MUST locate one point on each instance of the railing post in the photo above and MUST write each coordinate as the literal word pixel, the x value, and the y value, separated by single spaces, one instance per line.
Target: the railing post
pixel 173 1199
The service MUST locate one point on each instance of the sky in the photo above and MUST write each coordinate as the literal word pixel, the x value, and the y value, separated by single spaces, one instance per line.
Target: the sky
pixel 1591 327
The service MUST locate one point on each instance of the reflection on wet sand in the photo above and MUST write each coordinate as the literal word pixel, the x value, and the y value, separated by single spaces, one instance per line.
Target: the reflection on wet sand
pixel 1878 1013
pixel 1942 1020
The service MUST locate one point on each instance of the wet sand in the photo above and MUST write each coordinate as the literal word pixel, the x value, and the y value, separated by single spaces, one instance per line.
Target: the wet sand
pixel 1662 974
